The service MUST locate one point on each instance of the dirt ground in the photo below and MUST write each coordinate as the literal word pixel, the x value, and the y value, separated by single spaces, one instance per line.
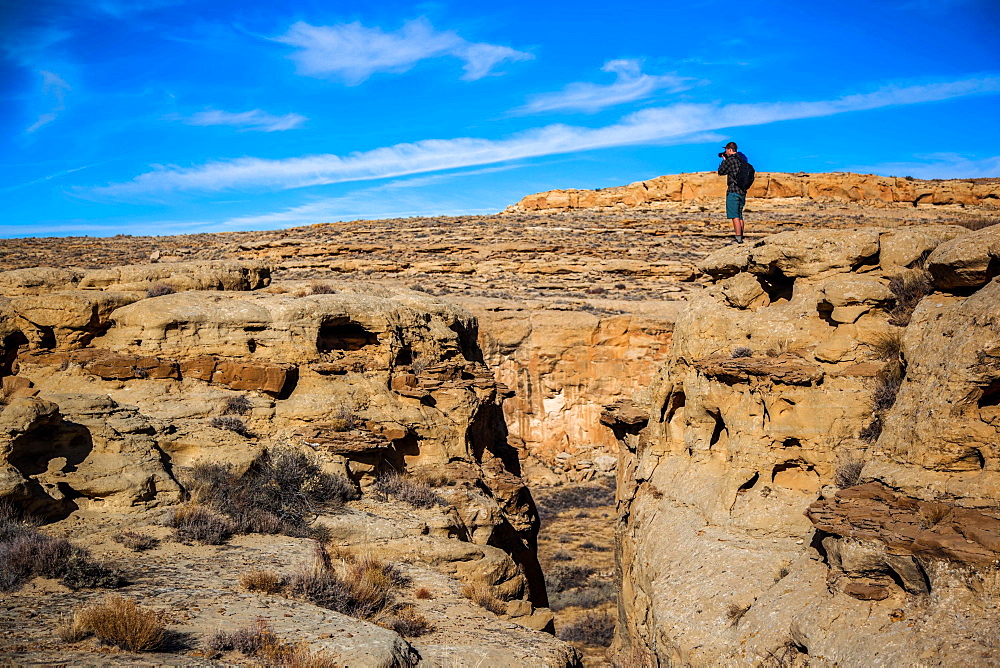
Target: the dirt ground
pixel 576 550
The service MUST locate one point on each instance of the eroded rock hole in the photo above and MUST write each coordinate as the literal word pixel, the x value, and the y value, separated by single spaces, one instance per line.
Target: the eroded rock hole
pixel 670 407
pixel 718 431
pixel 777 286
pixel 991 395
pixel 342 334
pixel 825 311
pixel 404 357
pixel 749 484
pixel 8 354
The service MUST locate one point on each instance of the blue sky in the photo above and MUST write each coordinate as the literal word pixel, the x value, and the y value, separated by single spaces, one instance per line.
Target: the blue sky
pixel 167 116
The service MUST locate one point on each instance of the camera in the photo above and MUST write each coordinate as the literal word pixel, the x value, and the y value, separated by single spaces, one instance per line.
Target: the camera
pixel 722 155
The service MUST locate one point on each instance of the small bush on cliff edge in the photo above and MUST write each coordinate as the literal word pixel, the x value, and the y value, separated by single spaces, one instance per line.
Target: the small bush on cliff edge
pixel 907 290
pixel 407 489
pixel 888 347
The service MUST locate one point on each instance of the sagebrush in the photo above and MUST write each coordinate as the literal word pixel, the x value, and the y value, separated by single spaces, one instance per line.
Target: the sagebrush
pixel 276 493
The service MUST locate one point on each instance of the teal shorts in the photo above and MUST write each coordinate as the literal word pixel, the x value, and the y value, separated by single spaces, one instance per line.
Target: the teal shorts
pixel 734 205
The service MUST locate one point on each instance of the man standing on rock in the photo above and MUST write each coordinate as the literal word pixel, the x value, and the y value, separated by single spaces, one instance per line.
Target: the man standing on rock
pixel 734 167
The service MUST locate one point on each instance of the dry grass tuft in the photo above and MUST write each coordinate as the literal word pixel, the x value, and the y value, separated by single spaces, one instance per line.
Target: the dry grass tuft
pixel 361 587
pixel 480 593
pixel 848 474
pixel 233 424
pixel 408 490
pixel 423 593
pixel 72 631
pixel 908 289
pixel 406 621
pixel 256 579
pixel 160 289
pixel 121 622
pixel 136 541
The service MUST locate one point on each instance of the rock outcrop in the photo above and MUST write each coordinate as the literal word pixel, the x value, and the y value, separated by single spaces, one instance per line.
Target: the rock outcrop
pixel 105 408
pixel 562 367
pixel 813 479
pixel 866 189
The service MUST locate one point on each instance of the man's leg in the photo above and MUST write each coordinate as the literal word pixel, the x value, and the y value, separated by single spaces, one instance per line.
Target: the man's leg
pixel 738 228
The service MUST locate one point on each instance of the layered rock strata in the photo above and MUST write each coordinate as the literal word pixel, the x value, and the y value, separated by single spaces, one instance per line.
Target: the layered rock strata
pixel 563 367
pixel 100 413
pixel 812 483
pixel 866 189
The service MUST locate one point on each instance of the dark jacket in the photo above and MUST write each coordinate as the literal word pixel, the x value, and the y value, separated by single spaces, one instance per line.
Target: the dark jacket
pixel 729 168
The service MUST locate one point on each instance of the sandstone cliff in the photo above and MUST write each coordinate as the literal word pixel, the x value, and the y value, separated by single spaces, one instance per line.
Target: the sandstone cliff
pixel 814 480
pixel 109 395
pixel 866 189
pixel 562 367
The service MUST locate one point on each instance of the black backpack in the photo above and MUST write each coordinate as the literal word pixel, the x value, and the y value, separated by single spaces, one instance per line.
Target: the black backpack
pixel 745 175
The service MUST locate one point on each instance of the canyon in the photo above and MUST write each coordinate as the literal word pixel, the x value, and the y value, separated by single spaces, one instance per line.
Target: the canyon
pixel 577 336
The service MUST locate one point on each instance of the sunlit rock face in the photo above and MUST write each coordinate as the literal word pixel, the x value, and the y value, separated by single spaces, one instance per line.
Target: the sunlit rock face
pixel 109 393
pixel 816 474
pixel 867 189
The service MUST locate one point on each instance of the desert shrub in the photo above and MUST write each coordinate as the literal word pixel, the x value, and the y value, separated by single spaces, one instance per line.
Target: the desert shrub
pixel 233 424
pixel 80 571
pixel 273 495
pixel 121 622
pixel 407 622
pixel 907 291
pixel 358 587
pixel 198 523
pixel 561 578
pixel 250 640
pixel 256 579
pixel 423 592
pixel 26 553
pixel 888 347
pixel 322 289
pixel 160 289
pixel 588 597
pixel 406 489
pixel 237 405
pixel 344 419
pixel 562 555
pixel 592 628
pixel 72 630
pixel 258 641
pixel 572 497
pixel 741 351
pixel 136 541
pixel 848 474
pixel 480 593
pixel 595 548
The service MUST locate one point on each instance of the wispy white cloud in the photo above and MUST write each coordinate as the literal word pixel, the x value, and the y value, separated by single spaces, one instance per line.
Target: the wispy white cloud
pixel 936 166
pixel 630 85
pixel 351 52
pixel 247 120
pixel 661 125
pixel 53 87
pixel 387 200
